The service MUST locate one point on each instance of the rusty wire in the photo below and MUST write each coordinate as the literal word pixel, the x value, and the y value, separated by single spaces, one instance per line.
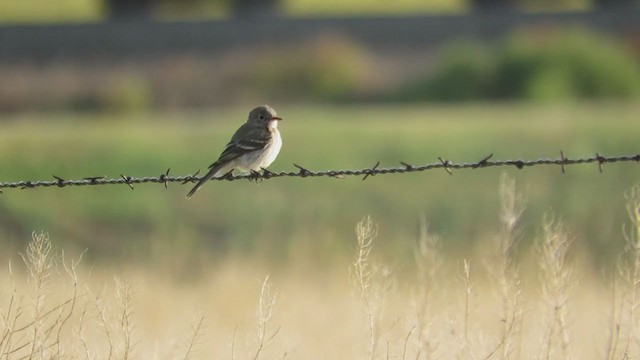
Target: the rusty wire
pixel 303 172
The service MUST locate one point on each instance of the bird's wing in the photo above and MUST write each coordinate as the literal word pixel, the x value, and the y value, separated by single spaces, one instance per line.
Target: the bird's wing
pixel 248 138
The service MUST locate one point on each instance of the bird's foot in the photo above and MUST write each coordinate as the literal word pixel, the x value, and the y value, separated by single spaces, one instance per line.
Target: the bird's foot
pixel 228 175
pixel 266 174
pixel 255 176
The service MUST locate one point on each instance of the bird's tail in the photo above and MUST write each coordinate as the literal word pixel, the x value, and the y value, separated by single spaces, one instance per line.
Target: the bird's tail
pixel 212 172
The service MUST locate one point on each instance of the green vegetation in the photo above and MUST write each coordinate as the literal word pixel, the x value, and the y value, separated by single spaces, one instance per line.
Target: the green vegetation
pixel 359 7
pixel 329 68
pixel 549 66
pixel 32 11
pixel 37 11
pixel 539 66
pixel 463 73
pixel 292 218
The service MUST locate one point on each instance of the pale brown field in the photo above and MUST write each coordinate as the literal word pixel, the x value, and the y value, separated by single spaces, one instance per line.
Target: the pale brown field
pixel 314 316
pixel 544 306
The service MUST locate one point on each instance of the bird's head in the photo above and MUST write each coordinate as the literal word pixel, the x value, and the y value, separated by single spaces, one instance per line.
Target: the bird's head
pixel 265 115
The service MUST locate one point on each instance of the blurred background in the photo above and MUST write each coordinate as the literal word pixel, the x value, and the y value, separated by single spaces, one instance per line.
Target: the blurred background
pixel 134 87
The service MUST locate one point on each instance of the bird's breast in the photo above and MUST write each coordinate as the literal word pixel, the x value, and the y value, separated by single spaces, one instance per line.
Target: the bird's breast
pixel 273 148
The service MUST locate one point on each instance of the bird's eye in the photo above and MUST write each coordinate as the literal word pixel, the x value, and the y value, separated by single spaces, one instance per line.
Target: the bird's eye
pixel 261 117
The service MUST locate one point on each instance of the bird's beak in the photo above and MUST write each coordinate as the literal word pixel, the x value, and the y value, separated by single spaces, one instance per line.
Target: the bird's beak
pixel 276 118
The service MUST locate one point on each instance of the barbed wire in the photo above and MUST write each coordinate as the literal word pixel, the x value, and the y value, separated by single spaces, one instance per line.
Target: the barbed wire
pixel 303 172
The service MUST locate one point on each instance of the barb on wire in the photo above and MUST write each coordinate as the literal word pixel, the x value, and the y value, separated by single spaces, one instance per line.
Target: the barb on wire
pixel 600 161
pixel 371 172
pixel 562 161
pixel 191 177
pixel 408 166
pixel 483 162
pixel 266 174
pixel 445 164
pixel 163 178
pixel 303 172
pixel 127 180
pixel 60 181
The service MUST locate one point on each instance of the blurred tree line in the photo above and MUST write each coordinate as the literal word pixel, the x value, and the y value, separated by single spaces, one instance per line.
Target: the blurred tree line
pixel 532 65
pixel 552 4
pixel 239 8
pixel 245 8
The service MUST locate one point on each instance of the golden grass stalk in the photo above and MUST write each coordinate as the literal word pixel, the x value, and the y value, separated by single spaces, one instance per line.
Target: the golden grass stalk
pixel 468 291
pixel 371 282
pixel 195 337
pixel 266 304
pixel 9 319
pixel 38 334
pixel 557 282
pixel 39 261
pixel 79 333
pixel 361 274
pixel 502 267
pixel 124 296
pixel 629 270
pixel 614 317
pixel 102 321
pixel 428 258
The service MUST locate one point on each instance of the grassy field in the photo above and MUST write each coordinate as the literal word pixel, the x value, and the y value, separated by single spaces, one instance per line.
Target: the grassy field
pixel 51 307
pixel 360 7
pixel 33 11
pixel 296 218
pixel 466 266
pixel 91 10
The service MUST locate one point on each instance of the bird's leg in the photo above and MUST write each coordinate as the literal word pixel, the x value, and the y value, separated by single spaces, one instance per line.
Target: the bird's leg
pixel 228 175
pixel 266 174
pixel 255 176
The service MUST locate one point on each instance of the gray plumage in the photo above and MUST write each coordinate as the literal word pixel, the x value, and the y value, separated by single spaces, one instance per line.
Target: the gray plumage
pixel 254 146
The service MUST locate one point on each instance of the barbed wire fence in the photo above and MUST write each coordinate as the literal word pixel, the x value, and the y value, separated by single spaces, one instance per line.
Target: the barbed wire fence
pixel 563 162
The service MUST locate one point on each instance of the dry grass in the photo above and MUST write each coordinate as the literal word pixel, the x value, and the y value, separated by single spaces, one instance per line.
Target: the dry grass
pixel 623 329
pixel 477 308
pixel 429 266
pixel 369 281
pixel 504 270
pixel 558 281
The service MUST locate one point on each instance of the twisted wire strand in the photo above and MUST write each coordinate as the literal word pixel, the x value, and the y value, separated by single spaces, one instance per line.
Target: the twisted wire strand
pixel 302 172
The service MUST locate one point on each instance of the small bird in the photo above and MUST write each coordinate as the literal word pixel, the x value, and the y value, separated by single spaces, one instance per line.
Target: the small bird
pixel 253 147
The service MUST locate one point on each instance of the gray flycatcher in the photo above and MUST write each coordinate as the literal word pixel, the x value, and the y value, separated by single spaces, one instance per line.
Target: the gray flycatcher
pixel 253 147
